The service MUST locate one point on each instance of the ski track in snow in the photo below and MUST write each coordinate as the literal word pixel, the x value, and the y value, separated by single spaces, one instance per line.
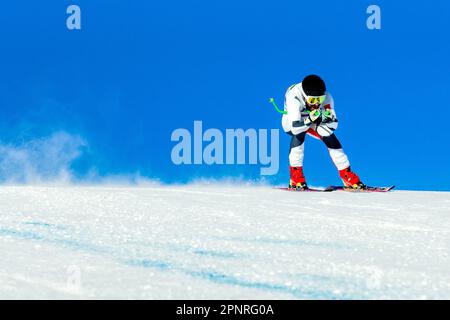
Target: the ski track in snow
pixel 216 242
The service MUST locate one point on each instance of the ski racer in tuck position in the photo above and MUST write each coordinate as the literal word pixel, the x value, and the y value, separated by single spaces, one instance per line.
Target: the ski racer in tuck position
pixel 309 109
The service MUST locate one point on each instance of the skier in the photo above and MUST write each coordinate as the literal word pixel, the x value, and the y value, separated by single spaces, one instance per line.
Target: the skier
pixel 310 110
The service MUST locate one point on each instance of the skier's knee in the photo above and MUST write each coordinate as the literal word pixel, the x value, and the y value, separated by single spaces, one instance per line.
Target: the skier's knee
pixel 298 139
pixel 332 142
pixel 324 131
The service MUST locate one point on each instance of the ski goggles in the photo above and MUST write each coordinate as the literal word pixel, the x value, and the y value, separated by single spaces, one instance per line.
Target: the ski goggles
pixel 315 99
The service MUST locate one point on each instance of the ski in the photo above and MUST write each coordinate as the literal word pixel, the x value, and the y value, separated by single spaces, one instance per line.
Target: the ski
pixel 366 189
pixel 340 188
pixel 305 190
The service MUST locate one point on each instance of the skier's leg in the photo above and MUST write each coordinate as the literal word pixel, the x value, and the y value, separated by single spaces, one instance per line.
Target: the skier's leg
pixel 296 152
pixel 337 154
pixel 340 160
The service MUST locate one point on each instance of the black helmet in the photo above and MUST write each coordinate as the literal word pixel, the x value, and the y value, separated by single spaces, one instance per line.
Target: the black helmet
pixel 313 85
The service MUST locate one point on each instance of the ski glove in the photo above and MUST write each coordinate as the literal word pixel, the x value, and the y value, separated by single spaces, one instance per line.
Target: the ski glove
pixel 314 116
pixel 327 116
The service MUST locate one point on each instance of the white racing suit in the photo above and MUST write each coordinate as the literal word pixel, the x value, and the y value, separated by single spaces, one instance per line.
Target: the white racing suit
pixel 293 124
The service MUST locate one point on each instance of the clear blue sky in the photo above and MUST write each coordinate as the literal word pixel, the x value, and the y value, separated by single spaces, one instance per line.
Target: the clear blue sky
pixel 140 69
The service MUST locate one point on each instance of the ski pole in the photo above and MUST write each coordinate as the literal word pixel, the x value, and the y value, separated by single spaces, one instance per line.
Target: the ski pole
pixel 272 101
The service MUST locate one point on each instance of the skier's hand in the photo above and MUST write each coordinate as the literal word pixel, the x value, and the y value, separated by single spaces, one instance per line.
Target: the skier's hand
pixel 327 116
pixel 315 116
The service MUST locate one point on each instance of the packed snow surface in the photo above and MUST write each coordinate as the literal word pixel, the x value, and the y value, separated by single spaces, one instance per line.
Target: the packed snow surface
pixel 222 242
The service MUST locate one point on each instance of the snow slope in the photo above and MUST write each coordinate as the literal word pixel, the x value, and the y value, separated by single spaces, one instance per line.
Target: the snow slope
pixel 211 242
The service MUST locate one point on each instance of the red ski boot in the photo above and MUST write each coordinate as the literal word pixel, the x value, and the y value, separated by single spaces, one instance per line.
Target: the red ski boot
pixel 351 179
pixel 298 181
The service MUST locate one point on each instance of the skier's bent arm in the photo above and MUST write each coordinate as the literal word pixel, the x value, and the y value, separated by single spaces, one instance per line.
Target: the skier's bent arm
pixel 299 127
pixel 293 108
pixel 331 121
